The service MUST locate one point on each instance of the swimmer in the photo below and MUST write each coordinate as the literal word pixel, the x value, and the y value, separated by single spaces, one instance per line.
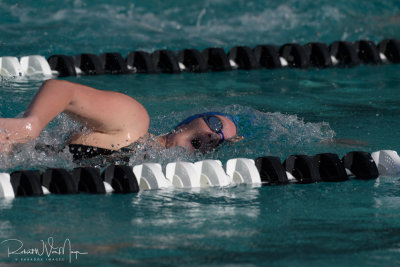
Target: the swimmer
pixel 114 120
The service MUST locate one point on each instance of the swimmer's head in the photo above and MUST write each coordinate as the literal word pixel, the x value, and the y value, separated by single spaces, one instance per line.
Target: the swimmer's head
pixel 202 132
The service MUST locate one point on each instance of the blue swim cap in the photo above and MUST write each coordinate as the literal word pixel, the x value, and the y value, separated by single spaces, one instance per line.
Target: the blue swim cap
pixel 196 116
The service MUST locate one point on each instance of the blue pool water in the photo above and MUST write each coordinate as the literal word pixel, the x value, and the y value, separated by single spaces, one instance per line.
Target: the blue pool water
pixel 281 112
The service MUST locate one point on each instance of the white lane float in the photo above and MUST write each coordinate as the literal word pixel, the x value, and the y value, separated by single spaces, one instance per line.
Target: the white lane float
pixel 6 189
pixel 27 65
pixel 35 64
pixel 387 162
pixel 10 66
pixel 211 173
pixel 150 176
pixel 182 175
pixel 243 170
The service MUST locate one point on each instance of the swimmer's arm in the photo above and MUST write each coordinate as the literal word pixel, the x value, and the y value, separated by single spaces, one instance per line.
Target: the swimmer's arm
pixel 109 113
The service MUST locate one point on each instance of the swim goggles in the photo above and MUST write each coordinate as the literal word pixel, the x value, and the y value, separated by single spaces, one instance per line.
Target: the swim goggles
pixel 212 121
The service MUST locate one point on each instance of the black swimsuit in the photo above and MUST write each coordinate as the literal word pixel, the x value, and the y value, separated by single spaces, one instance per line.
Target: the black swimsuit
pixel 82 152
pixel 85 152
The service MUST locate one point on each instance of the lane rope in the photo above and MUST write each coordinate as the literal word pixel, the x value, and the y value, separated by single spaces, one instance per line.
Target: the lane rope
pixel 291 55
pixel 267 170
